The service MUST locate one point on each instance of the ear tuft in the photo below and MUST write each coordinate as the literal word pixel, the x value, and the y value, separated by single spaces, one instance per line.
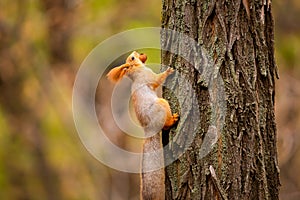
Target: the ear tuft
pixel 143 57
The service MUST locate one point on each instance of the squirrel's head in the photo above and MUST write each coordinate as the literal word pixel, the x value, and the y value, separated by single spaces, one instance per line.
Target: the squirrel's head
pixel 133 61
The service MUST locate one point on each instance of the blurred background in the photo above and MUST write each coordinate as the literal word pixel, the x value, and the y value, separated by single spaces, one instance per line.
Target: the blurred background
pixel 43 43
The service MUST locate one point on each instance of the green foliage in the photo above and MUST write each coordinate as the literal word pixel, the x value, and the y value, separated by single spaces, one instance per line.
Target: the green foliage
pixel 44 91
pixel 40 151
pixel 288 50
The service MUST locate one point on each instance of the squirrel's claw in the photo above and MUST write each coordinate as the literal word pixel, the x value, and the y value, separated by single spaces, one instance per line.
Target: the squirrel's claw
pixel 170 70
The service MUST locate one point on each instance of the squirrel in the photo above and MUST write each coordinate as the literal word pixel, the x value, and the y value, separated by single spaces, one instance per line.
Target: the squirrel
pixel 154 114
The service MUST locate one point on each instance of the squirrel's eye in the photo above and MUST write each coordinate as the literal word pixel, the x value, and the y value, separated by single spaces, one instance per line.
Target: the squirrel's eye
pixel 132 58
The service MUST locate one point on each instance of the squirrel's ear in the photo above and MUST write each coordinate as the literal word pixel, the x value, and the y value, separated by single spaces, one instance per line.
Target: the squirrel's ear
pixel 117 73
pixel 143 57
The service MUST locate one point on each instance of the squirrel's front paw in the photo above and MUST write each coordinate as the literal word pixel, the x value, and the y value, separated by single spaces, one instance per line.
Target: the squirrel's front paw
pixel 169 70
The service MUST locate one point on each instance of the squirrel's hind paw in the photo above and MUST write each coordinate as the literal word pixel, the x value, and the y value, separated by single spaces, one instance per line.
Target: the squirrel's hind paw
pixel 175 117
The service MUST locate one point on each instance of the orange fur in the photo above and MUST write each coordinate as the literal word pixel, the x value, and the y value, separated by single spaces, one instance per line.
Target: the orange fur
pixel 170 119
pixel 117 73
pixel 143 57
pixel 153 113
pixel 161 78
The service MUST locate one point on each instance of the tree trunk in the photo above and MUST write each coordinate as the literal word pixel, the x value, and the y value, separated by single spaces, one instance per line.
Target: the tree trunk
pixel 239 161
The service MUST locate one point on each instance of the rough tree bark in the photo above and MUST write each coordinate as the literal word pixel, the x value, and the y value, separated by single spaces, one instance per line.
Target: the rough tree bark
pixel 239 37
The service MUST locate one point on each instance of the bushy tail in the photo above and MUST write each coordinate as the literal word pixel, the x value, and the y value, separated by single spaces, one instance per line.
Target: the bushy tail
pixel 117 73
pixel 153 173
